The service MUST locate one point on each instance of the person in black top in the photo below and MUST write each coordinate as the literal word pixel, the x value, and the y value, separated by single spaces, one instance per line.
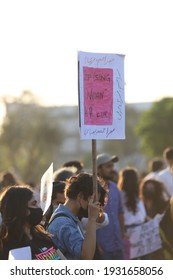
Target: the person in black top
pixel 20 227
pixel 58 197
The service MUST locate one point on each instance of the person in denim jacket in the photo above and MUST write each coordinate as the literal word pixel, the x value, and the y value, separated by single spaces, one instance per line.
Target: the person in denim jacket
pixel 66 229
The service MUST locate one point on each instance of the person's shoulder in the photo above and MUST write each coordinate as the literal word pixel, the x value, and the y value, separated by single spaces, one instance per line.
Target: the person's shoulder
pixel 149 176
pixel 113 186
pixel 164 172
pixel 62 211
pixel 60 217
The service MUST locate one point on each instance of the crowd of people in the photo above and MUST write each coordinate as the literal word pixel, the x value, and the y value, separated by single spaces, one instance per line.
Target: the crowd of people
pixel 82 225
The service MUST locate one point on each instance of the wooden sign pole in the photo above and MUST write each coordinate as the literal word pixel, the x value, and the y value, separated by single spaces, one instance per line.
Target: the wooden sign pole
pixel 94 164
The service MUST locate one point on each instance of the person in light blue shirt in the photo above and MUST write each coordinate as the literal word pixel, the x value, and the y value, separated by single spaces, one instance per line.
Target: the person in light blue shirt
pixel 66 229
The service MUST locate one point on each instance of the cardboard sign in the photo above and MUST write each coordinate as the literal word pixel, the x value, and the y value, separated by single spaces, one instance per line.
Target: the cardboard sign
pixel 101 96
pixel 46 189
pixel 145 238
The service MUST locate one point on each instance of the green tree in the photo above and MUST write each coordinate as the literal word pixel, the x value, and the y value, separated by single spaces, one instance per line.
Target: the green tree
pixel 30 138
pixel 155 127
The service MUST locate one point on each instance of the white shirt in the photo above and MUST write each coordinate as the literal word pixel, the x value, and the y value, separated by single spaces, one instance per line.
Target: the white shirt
pixel 152 175
pixel 131 218
pixel 84 222
pixel 166 177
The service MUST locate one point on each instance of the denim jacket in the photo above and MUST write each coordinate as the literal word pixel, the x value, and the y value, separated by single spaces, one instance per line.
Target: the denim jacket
pixel 67 233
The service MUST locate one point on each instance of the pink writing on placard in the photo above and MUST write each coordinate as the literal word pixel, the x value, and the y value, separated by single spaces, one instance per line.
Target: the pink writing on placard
pixel 98 96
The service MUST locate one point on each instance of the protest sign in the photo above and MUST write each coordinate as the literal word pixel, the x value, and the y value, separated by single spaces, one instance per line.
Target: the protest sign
pixel 144 238
pixel 101 96
pixel 46 189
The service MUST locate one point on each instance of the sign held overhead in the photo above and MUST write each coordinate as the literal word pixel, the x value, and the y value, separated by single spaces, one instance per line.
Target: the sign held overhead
pixel 101 96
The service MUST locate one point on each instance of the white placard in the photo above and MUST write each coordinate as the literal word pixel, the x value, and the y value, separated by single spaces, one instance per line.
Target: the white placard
pixel 101 96
pixel 46 189
pixel 23 253
pixel 145 238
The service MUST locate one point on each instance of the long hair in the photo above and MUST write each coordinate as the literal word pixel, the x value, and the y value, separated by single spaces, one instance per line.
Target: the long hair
pixel 154 191
pixel 128 182
pixel 13 207
pixel 166 224
pixel 14 211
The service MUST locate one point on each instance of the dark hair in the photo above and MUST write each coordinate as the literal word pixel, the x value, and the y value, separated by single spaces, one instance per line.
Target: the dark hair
pixel 74 163
pixel 14 203
pixel 154 191
pixel 166 225
pixel 155 165
pixel 168 153
pixel 58 187
pixel 7 179
pixel 83 183
pixel 103 194
pixel 129 183
pixel 13 207
pixel 62 174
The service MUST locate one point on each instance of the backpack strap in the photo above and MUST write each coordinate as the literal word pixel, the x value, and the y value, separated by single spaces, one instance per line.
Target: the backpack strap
pixel 61 214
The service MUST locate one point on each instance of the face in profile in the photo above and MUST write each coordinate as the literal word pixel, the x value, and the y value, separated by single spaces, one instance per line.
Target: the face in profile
pixel 35 213
pixel 59 198
pixel 107 171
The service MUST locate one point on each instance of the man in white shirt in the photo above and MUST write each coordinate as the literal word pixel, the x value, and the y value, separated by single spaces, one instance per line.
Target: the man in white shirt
pixel 166 175
pixel 155 165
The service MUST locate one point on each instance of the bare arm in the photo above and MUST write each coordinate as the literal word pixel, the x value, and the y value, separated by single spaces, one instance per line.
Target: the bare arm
pixel 89 243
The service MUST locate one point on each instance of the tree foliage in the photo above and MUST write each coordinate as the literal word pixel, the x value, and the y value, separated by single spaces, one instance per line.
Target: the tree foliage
pixel 30 137
pixel 155 127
